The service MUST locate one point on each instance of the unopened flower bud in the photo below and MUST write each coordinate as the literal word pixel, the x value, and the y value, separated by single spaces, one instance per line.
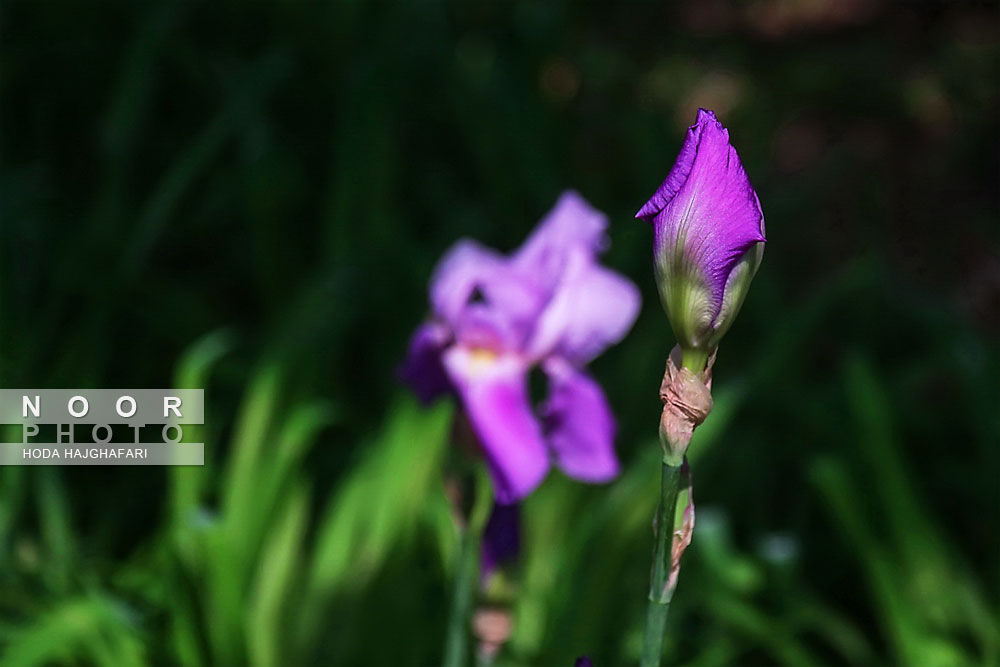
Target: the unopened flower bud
pixel 708 238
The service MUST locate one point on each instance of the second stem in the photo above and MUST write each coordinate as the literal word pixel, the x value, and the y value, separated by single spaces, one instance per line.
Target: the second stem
pixel 659 596
pixel 470 534
pixel 456 646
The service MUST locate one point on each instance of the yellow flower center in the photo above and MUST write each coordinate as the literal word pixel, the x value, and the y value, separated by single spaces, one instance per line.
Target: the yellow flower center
pixel 481 358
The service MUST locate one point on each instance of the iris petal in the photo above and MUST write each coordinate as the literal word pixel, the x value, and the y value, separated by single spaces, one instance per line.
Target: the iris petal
pixel 494 393
pixel 579 424
pixel 572 224
pixel 678 173
pixel 422 370
pixel 592 307
pixel 477 293
pixel 501 538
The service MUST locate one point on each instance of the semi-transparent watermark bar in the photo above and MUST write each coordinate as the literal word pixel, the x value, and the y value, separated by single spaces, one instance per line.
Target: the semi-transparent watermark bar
pixel 100 427
pixel 103 454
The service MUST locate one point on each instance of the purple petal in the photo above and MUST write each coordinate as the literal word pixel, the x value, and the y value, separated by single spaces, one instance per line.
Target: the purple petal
pixel 592 308
pixel 679 172
pixel 476 291
pixel 583 661
pixel 494 392
pixel 464 266
pixel 706 205
pixel 579 424
pixel 572 223
pixel 501 539
pixel 422 370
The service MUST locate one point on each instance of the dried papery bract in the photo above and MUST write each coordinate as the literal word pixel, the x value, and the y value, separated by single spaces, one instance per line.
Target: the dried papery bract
pixel 687 400
pixel 492 627
pixel 683 531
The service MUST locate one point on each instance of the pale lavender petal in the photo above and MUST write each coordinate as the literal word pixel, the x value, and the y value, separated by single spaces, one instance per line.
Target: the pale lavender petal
pixel 592 307
pixel 476 291
pixel 465 266
pixel 494 393
pixel 707 207
pixel 571 224
pixel 423 370
pixel 579 424
pixel 501 538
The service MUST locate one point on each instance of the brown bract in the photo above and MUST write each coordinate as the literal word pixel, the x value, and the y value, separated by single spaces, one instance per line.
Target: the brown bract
pixel 492 626
pixel 682 535
pixel 687 400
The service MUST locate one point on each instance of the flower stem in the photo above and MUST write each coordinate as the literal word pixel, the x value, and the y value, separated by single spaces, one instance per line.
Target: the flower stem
pixel 694 360
pixel 485 660
pixel 659 596
pixel 456 648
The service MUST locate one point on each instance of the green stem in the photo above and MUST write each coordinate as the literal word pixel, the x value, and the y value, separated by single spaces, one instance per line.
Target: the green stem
pixel 659 596
pixel 483 660
pixel 694 360
pixel 456 646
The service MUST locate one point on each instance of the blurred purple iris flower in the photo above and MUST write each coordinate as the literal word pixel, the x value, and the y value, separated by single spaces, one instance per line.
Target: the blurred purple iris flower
pixel 708 235
pixel 494 317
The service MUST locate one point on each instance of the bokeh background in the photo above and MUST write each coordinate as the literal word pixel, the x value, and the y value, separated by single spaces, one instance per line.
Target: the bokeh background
pixel 250 198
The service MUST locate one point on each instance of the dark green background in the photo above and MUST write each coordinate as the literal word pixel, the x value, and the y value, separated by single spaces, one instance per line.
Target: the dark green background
pixel 250 197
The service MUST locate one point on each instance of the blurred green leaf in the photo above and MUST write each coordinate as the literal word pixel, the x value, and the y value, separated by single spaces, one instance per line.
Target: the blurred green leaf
pixel 280 562
pixel 379 502
pixel 92 629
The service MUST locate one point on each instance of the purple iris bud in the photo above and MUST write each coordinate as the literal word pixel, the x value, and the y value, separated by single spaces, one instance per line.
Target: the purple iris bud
pixel 494 317
pixel 501 539
pixel 708 237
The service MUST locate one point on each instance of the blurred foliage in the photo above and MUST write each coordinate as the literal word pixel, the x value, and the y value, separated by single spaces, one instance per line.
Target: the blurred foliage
pixel 250 197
